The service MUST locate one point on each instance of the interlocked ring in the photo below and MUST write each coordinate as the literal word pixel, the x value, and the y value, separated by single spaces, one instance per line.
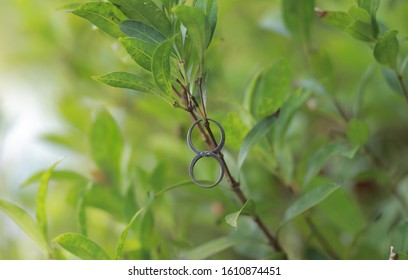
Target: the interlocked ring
pixel 201 154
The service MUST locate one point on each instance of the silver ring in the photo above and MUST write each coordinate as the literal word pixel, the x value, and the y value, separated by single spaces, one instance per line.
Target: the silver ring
pixel 220 145
pixel 197 158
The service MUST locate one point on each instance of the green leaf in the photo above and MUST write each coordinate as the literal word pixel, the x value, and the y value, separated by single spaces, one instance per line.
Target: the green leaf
pixel 361 31
pixel 141 31
pixel 254 135
pixel 359 14
pixel 59 175
pixel 307 201
pixel 357 132
pixel 41 209
pixel 386 49
pixel 210 9
pixel 338 19
pixel 197 26
pixel 399 238
pixel 161 67
pixel 298 17
pixel 250 92
pixel 320 157
pixel 127 80
pixel 371 6
pixel 81 246
pixel 235 130
pixel 147 12
pixel 103 15
pixel 140 51
pixel 393 80
pixel 107 145
pixel 323 70
pixel 273 88
pixel 123 236
pixel 209 249
pixel 247 209
pixel 25 222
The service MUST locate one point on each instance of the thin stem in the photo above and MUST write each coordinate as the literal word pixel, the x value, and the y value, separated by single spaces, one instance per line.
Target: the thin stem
pixel 403 87
pixel 208 137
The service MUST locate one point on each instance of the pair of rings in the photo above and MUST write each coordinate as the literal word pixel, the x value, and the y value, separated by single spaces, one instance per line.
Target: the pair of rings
pixel 201 154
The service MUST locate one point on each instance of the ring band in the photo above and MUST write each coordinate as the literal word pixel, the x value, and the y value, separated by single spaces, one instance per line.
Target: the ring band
pixel 197 158
pixel 190 143
pixel 201 154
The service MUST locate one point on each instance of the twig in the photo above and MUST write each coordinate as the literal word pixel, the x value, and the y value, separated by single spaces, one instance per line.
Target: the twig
pixel 209 139
pixel 403 87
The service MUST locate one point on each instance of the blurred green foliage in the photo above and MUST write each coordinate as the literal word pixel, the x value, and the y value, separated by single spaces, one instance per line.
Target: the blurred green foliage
pixel 329 176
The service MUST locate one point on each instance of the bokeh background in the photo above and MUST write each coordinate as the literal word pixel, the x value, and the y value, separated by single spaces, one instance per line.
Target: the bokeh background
pixel 48 103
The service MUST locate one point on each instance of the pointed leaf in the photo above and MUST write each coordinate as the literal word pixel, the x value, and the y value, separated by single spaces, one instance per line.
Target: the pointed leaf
pixel 298 17
pixel 103 15
pixel 60 175
pixel 41 210
pixel 357 132
pixel 320 157
pixel 127 80
pixel 140 51
pixel 370 6
pixel 235 130
pixel 273 88
pixel 360 14
pixel 254 135
pixel 386 49
pixel 307 201
pixel 81 246
pixel 361 31
pixel 147 12
pixel 25 222
pixel 141 31
pixel 247 209
pixel 107 145
pixel 209 249
pixel 161 66
pixel 210 9
pixel 338 19
pixel 197 26
pixel 123 236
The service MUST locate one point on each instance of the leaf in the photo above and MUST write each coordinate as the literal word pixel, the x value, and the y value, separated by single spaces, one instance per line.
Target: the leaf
pixel 209 249
pixel 320 157
pixel 81 246
pixel 307 201
pixel 107 145
pixel 210 9
pixel 123 236
pixel 298 17
pixel 25 222
pixel 247 209
pixel 59 175
pixel 128 81
pixel 235 130
pixel 393 78
pixel 357 132
pixel 103 15
pixel 399 238
pixel 41 209
pixel 254 135
pixel 370 6
pixel 323 70
pixel 147 12
pixel 273 88
pixel 140 51
pixel 141 31
pixel 386 49
pixel 338 19
pixel 359 14
pixel 161 67
pixel 361 31
pixel 197 26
